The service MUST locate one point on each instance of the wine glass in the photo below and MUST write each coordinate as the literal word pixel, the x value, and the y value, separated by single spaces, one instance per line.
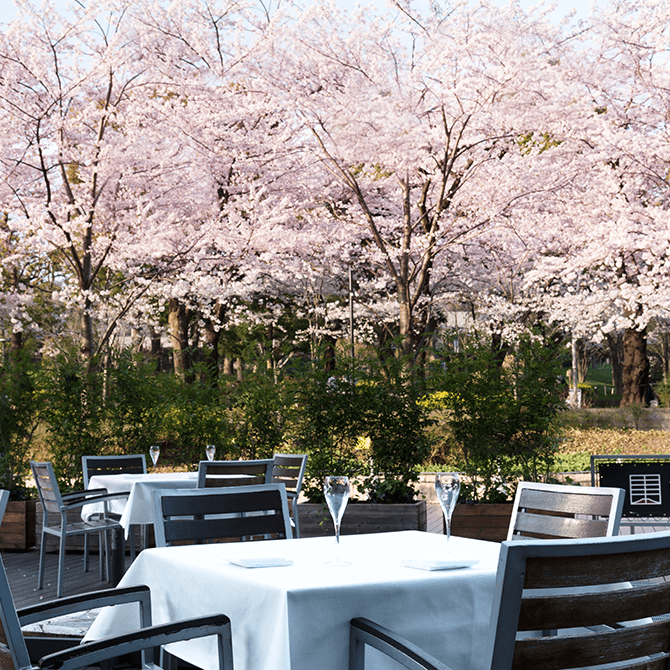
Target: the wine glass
pixel 447 486
pixel 155 452
pixel 336 489
pixel 210 450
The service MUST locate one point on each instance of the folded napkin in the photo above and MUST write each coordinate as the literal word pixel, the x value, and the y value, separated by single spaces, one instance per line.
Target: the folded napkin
pixel 421 564
pixel 259 561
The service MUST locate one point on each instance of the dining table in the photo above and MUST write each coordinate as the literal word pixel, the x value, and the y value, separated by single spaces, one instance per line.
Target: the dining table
pixel 290 609
pixel 138 507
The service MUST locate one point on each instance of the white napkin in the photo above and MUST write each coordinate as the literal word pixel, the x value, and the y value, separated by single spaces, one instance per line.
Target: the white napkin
pixel 259 561
pixel 421 564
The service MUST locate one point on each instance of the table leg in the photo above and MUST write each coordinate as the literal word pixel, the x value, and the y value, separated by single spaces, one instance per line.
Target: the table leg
pixel 118 556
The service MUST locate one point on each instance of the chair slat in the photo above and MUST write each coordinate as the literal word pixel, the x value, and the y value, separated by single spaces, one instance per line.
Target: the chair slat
pixel 224 529
pixel 556 572
pixel 574 503
pixel 560 652
pixel 555 526
pixel 552 612
pixel 214 474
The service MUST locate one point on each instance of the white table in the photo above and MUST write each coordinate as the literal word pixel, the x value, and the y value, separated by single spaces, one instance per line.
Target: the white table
pixel 298 617
pixel 138 507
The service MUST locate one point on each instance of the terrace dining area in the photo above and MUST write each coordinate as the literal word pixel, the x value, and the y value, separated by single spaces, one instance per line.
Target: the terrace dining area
pixel 411 599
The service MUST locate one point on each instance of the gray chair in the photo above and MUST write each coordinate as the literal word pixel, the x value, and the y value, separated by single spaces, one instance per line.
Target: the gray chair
pixel 77 656
pixel 554 511
pixel 222 514
pixel 289 470
pixel 214 474
pixel 56 505
pixel 133 464
pixel 540 586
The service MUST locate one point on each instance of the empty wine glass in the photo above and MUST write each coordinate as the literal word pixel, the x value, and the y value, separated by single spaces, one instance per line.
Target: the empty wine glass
pixel 336 489
pixel 210 450
pixel 447 486
pixel 155 452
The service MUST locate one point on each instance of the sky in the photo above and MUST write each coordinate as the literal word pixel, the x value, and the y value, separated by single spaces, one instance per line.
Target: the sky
pixel 7 8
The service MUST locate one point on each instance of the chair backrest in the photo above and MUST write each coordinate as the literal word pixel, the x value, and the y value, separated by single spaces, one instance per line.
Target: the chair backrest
pixel 289 470
pixel 11 625
pixel 550 511
pixel 4 499
pixel 47 487
pixel 134 464
pixel 540 586
pixel 188 515
pixel 234 473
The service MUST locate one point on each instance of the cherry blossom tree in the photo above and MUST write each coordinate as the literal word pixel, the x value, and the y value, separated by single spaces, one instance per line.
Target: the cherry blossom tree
pixel 409 129
pixel 604 262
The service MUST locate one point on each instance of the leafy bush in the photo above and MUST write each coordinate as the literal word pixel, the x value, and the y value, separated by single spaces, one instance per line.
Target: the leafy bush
pixel 18 420
pixel 499 417
pixel 191 416
pixel 365 422
pixel 73 413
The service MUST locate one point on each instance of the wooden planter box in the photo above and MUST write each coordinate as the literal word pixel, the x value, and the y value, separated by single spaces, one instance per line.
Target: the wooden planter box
pixel 18 525
pixel 359 518
pixel 482 521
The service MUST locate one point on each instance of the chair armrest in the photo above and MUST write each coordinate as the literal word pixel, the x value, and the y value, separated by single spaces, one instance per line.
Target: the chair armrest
pixel 82 494
pixel 80 502
pixel 364 631
pixel 93 653
pixel 140 594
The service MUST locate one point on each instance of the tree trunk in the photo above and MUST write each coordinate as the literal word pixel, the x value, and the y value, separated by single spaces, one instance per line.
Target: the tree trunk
pixel 635 368
pixel 329 360
pixel 156 348
pixel 17 342
pixel 615 344
pixel 228 366
pixel 212 338
pixel 178 320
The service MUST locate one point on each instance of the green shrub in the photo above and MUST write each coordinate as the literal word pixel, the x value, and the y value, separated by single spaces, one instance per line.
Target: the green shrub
pixel 18 420
pixel 71 398
pixel 363 421
pixel 499 417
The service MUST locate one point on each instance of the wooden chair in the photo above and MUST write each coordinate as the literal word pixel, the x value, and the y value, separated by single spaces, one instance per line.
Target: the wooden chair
pixel 133 464
pixel 289 470
pixel 56 505
pixel 234 473
pixel 539 586
pixel 76 656
pixel 553 511
pixel 196 516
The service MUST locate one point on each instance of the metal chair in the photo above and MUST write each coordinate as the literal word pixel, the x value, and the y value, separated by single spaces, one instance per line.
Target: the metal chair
pixel 540 585
pixel 289 469
pixel 212 474
pixel 551 511
pixel 133 464
pixel 234 513
pixel 94 653
pixel 55 504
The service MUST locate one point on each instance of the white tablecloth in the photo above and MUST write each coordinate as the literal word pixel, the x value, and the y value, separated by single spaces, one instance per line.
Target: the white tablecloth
pixel 138 508
pixel 298 617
